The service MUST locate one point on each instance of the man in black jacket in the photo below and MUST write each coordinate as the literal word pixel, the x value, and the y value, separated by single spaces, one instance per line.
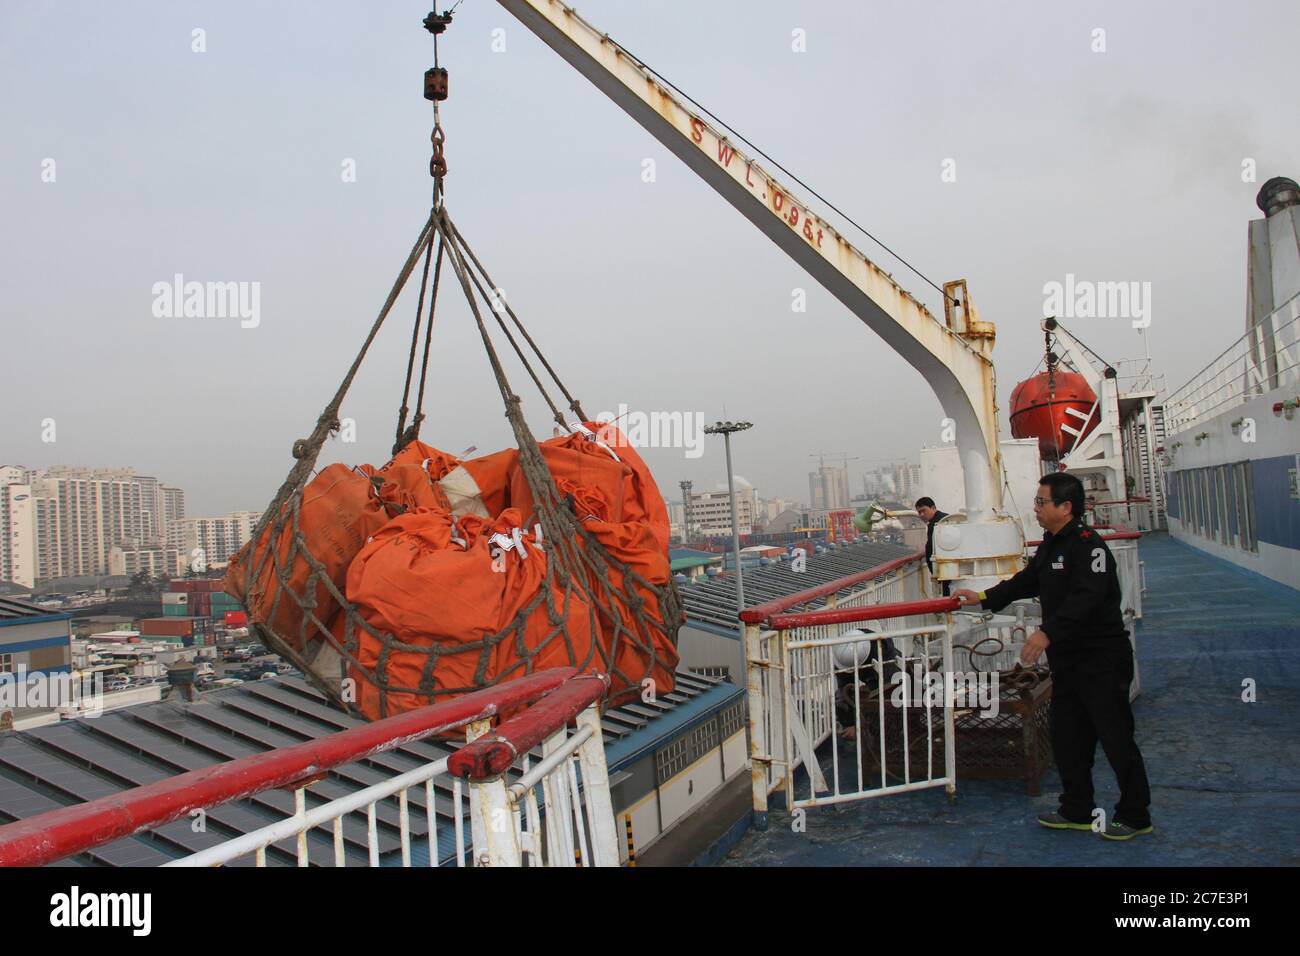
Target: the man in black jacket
pixel 1074 576
pixel 931 516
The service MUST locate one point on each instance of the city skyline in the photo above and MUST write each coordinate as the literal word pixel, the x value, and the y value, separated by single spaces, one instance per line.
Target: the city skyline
pixel 83 521
pixel 645 268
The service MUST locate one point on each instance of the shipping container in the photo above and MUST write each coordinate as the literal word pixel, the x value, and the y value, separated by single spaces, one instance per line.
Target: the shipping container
pixel 175 639
pixel 176 597
pixel 236 619
pixel 159 626
pixel 174 626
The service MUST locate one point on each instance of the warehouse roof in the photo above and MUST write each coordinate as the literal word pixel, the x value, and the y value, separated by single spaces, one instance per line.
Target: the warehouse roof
pixel 74 761
pixel 711 603
pixel 20 612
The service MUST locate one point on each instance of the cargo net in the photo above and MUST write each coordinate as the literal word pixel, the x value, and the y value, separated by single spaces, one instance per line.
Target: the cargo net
pixel 430 577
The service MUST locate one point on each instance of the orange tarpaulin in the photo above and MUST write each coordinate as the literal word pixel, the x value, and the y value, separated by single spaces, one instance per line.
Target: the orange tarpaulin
pixel 581 469
pixel 444 561
pixel 340 510
pixel 448 601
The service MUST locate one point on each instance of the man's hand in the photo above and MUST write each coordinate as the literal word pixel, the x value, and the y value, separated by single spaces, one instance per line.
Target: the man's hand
pixel 966 596
pixel 1034 647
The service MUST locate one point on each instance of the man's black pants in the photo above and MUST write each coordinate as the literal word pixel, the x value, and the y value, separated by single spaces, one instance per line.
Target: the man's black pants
pixel 1090 705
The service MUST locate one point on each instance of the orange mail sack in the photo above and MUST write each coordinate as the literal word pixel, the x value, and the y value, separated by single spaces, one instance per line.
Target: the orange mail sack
pixel 434 586
pixel 340 510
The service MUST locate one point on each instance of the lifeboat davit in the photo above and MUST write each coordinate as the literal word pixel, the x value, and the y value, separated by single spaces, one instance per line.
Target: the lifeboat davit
pixel 1039 411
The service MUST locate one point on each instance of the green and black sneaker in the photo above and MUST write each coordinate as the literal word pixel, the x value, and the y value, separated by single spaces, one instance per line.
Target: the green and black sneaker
pixel 1115 830
pixel 1054 821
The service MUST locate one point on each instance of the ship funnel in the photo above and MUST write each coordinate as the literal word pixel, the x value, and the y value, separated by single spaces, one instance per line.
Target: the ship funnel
pixel 1277 194
pixel 1273 259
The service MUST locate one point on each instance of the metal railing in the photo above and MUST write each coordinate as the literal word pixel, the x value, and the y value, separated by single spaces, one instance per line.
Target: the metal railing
pixel 866 679
pixel 544 817
pixel 571 823
pixel 768 677
pixel 1136 375
pixel 1263 360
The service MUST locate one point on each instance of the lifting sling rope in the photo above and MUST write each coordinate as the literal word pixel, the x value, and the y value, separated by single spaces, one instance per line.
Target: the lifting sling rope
pixel 578 566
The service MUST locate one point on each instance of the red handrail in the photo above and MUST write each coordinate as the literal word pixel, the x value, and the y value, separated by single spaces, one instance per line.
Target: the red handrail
pixel 489 756
pixel 59 833
pixel 874 612
pixel 761 612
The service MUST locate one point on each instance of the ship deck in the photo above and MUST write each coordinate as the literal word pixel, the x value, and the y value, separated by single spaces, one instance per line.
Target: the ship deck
pixel 1225 774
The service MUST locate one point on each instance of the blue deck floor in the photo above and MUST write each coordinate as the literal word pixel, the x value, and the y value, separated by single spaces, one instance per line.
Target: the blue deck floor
pixel 1225 775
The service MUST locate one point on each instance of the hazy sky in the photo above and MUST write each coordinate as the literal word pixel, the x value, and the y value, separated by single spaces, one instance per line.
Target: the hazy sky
pixel 1123 165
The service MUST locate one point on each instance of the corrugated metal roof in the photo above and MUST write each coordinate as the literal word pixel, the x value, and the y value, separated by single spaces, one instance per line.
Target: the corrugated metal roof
pixel 12 611
pixel 712 601
pixel 75 761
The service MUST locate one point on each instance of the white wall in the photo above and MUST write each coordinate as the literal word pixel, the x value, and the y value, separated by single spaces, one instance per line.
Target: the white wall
pixel 943 480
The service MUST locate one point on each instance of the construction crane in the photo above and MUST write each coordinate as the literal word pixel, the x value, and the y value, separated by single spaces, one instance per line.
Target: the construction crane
pixel 841 456
pixel 953 355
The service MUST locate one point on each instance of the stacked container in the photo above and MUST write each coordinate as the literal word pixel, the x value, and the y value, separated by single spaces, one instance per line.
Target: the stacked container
pixel 198 597
pixel 170 627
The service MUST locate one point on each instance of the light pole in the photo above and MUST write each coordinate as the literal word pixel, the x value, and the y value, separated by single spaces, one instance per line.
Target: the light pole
pixel 725 429
pixel 686 514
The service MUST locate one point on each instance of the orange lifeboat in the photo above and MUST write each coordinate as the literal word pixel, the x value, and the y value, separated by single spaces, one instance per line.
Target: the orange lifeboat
pixel 1055 409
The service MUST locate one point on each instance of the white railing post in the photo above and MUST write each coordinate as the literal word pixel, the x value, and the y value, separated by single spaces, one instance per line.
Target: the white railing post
pixel 760 757
pixel 949 722
pixel 496 842
pixel 595 785
pixel 559 813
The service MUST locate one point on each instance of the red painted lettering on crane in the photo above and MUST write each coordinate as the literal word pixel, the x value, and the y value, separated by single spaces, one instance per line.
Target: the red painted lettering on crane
pixel 697 130
pixel 794 216
pixel 725 153
pixel 778 200
pixel 807 229
pixel 748 167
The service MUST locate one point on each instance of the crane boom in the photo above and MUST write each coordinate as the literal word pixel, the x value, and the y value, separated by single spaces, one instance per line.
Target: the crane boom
pixel 952 355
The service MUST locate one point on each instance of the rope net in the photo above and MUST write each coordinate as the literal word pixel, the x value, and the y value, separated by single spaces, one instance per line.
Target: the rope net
pixel 430 577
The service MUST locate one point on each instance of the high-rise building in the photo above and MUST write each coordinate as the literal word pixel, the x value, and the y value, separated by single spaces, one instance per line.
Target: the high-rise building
pixel 17 527
pixel 155 560
pixel 710 512
pixel 172 509
pixel 65 521
pixel 828 488
pixel 219 538
pixel 907 479
pixel 771 507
